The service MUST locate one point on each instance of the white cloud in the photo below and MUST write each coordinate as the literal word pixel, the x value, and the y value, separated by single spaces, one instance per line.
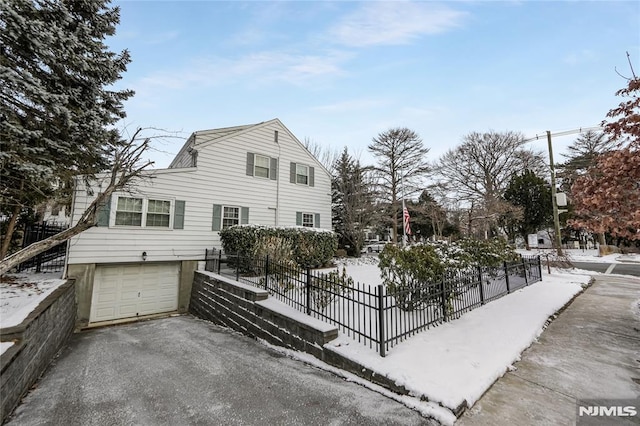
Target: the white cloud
pixel 393 23
pixel 258 68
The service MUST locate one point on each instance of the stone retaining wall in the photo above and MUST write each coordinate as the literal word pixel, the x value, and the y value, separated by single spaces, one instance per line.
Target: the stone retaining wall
pixel 37 340
pixel 250 310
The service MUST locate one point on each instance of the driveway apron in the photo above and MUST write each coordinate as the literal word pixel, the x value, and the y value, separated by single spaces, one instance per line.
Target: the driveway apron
pixel 185 371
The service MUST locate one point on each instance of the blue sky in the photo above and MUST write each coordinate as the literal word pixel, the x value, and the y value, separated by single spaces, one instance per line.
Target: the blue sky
pixel 339 73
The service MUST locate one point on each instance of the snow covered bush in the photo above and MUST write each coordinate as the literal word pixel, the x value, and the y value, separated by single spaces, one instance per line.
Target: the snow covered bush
pixel 311 247
pixel 415 275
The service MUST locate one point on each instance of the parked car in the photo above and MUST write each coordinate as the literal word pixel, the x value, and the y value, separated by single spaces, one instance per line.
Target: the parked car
pixel 373 246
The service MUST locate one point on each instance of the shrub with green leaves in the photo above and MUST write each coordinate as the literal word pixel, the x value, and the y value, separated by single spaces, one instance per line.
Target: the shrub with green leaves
pixel 326 286
pixel 310 247
pixel 411 274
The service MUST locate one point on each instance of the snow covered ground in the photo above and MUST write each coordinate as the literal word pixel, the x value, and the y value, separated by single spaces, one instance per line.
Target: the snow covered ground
pixel 20 294
pixel 460 360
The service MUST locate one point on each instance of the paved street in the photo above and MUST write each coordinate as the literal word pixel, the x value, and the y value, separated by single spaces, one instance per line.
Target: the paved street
pixel 610 268
pixel 184 371
pixel 592 350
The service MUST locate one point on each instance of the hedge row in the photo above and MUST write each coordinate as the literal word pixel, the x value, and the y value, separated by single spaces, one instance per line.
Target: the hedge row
pixel 311 247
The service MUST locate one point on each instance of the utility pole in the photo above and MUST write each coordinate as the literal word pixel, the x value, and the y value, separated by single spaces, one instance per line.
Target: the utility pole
pixel 556 218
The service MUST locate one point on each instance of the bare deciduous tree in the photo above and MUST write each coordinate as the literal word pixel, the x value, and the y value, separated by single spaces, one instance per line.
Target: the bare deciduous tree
pixel 479 170
pixel 127 165
pixel 401 165
pixel 324 154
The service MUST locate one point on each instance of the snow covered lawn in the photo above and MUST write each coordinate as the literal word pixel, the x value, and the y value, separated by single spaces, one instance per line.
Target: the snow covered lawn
pixel 461 359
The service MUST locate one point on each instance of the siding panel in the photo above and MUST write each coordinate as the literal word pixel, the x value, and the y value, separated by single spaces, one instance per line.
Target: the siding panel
pixel 221 179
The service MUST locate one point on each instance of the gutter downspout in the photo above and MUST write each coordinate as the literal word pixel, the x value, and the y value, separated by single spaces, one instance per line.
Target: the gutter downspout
pixel 275 139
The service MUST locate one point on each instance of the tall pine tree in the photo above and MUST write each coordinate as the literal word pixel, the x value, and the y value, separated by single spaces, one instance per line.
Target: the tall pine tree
pixel 57 101
pixel 352 210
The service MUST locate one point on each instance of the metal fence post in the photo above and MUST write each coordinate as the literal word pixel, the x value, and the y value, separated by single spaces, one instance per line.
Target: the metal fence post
pixel 266 273
pixel 41 236
pixel 539 268
pixel 524 268
pixel 381 323
pixel 481 285
pixel 443 300
pixel 308 288
pixel 506 276
pixel 219 261
pixel 237 267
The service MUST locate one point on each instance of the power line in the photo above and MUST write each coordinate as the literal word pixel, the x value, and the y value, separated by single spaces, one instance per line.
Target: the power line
pixel 563 133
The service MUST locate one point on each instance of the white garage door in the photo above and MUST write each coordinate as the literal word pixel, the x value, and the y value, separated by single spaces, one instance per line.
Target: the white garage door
pixel 124 291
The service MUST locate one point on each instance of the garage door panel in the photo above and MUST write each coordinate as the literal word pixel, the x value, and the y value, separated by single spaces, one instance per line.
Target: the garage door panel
pixel 107 297
pixel 123 291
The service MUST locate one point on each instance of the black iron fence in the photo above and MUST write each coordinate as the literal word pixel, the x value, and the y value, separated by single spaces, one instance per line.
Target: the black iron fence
pixel 375 315
pixel 51 260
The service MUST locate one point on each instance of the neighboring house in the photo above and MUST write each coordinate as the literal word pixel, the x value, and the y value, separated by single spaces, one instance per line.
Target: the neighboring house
pixel 54 213
pixel 140 258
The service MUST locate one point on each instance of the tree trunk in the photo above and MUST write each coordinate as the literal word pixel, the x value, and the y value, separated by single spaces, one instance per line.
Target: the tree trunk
pixel 42 246
pixel 8 236
pixel 601 239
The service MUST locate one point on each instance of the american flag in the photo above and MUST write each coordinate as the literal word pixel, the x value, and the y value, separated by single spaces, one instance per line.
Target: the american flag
pixel 407 219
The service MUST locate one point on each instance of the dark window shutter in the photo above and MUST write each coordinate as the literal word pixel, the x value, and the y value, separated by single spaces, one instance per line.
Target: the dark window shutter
pixel 292 173
pixel 299 218
pixel 244 215
pixel 311 176
pixel 250 158
pixel 273 169
pixel 217 217
pixel 178 215
pixel 103 213
pixel 316 220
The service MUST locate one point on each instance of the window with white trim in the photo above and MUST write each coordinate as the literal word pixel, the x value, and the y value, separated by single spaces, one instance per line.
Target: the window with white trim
pixel 307 220
pixel 302 174
pixel 230 216
pixel 129 211
pixel 158 213
pixel 261 166
pixel 141 212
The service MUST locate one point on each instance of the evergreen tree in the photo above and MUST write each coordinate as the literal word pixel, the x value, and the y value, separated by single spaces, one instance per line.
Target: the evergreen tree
pixel 351 203
pixel 582 154
pixel 56 103
pixel 533 196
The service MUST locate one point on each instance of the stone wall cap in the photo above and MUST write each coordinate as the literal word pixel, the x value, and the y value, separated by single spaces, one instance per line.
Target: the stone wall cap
pixel 287 311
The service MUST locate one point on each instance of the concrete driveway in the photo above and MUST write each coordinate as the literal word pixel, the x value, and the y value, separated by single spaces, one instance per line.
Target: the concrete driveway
pixel 185 371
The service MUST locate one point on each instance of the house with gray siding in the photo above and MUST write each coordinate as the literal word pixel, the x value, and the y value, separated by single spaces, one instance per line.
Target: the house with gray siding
pixel 140 259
